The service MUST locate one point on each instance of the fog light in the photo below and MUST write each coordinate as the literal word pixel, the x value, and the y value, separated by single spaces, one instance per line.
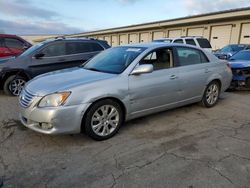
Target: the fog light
pixel 45 126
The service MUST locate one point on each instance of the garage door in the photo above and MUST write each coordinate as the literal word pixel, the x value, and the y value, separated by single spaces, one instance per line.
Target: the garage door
pixel 158 35
pixel 133 38
pixel 144 37
pixel 100 38
pixel 220 36
pixel 107 38
pixel 195 31
pixel 174 33
pixel 114 40
pixel 123 39
pixel 245 34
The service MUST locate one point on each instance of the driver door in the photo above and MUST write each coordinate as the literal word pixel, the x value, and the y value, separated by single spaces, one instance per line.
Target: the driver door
pixel 152 92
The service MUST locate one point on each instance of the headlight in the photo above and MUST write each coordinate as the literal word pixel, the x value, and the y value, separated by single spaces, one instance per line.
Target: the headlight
pixel 53 100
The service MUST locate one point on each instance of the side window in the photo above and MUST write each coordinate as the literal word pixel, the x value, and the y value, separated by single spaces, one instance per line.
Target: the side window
pixel 2 42
pixel 178 41
pixel 95 47
pixel 82 47
pixel 190 41
pixel 160 59
pixel 13 43
pixel 190 56
pixel 57 49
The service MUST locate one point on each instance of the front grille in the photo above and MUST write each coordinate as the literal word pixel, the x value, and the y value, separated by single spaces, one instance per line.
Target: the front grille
pixel 26 98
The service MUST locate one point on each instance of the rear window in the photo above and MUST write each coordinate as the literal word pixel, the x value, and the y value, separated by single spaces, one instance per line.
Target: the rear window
pixel 204 43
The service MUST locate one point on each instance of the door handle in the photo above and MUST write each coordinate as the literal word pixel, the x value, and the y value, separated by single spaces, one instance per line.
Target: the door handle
pixel 172 77
pixel 207 71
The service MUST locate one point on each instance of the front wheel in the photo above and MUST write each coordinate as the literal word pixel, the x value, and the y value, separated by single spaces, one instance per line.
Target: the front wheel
pixel 211 94
pixel 103 120
pixel 14 85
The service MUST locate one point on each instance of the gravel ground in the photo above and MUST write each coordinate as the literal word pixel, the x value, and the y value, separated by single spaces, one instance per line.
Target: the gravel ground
pixel 186 147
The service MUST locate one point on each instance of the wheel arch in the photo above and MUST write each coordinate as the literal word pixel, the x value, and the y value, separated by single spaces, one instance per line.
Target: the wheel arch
pixel 122 105
pixel 9 73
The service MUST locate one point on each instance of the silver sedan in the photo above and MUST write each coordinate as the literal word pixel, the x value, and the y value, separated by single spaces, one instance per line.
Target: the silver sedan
pixel 120 84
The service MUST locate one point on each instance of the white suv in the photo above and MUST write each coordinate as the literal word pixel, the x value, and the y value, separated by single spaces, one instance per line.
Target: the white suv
pixel 196 41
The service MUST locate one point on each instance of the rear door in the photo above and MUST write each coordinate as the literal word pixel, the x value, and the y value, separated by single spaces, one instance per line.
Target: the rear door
pixel 154 91
pixel 78 52
pixel 194 70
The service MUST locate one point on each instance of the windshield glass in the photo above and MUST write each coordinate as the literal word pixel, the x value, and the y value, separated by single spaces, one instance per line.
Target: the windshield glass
pixel 242 55
pixel 31 49
pixel 114 60
pixel 233 48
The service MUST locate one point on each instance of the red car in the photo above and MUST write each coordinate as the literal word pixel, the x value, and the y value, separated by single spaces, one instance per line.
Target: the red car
pixel 12 45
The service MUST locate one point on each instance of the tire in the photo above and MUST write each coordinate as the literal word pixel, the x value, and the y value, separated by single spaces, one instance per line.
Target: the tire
pixel 211 94
pixel 98 119
pixel 13 85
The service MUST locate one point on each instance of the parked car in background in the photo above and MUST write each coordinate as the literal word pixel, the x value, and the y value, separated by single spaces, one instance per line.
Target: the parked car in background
pixel 240 65
pixel 12 45
pixel 195 41
pixel 229 50
pixel 120 84
pixel 44 57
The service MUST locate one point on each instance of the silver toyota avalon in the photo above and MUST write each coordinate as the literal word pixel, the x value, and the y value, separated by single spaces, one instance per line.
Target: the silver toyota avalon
pixel 120 84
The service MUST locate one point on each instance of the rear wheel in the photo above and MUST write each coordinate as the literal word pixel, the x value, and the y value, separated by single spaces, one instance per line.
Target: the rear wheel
pixel 103 120
pixel 211 94
pixel 14 85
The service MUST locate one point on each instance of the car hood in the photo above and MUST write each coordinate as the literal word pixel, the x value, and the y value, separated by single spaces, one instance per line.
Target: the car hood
pixel 63 80
pixel 6 59
pixel 239 64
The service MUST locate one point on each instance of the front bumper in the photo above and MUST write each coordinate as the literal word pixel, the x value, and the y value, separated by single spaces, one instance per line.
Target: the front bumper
pixel 241 80
pixel 56 120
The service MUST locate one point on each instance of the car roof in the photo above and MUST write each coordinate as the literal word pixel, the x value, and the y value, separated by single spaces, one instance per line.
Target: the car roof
pixel 189 37
pixel 158 44
pixel 7 35
pixel 71 39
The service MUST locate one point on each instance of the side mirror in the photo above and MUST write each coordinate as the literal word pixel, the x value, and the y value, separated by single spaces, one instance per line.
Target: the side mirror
pixel 39 56
pixel 224 57
pixel 143 69
pixel 25 47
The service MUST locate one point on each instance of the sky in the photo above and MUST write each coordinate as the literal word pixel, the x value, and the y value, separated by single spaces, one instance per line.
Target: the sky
pixel 28 17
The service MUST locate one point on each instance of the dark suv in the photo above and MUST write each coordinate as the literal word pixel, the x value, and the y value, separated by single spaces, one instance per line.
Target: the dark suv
pixel 12 45
pixel 44 57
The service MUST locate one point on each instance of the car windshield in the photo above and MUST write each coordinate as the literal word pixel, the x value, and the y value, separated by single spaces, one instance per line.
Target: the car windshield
pixel 242 55
pixel 232 48
pixel 31 49
pixel 114 60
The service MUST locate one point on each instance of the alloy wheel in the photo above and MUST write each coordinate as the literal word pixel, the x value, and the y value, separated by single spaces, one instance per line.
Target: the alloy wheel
pixel 212 94
pixel 16 86
pixel 105 120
